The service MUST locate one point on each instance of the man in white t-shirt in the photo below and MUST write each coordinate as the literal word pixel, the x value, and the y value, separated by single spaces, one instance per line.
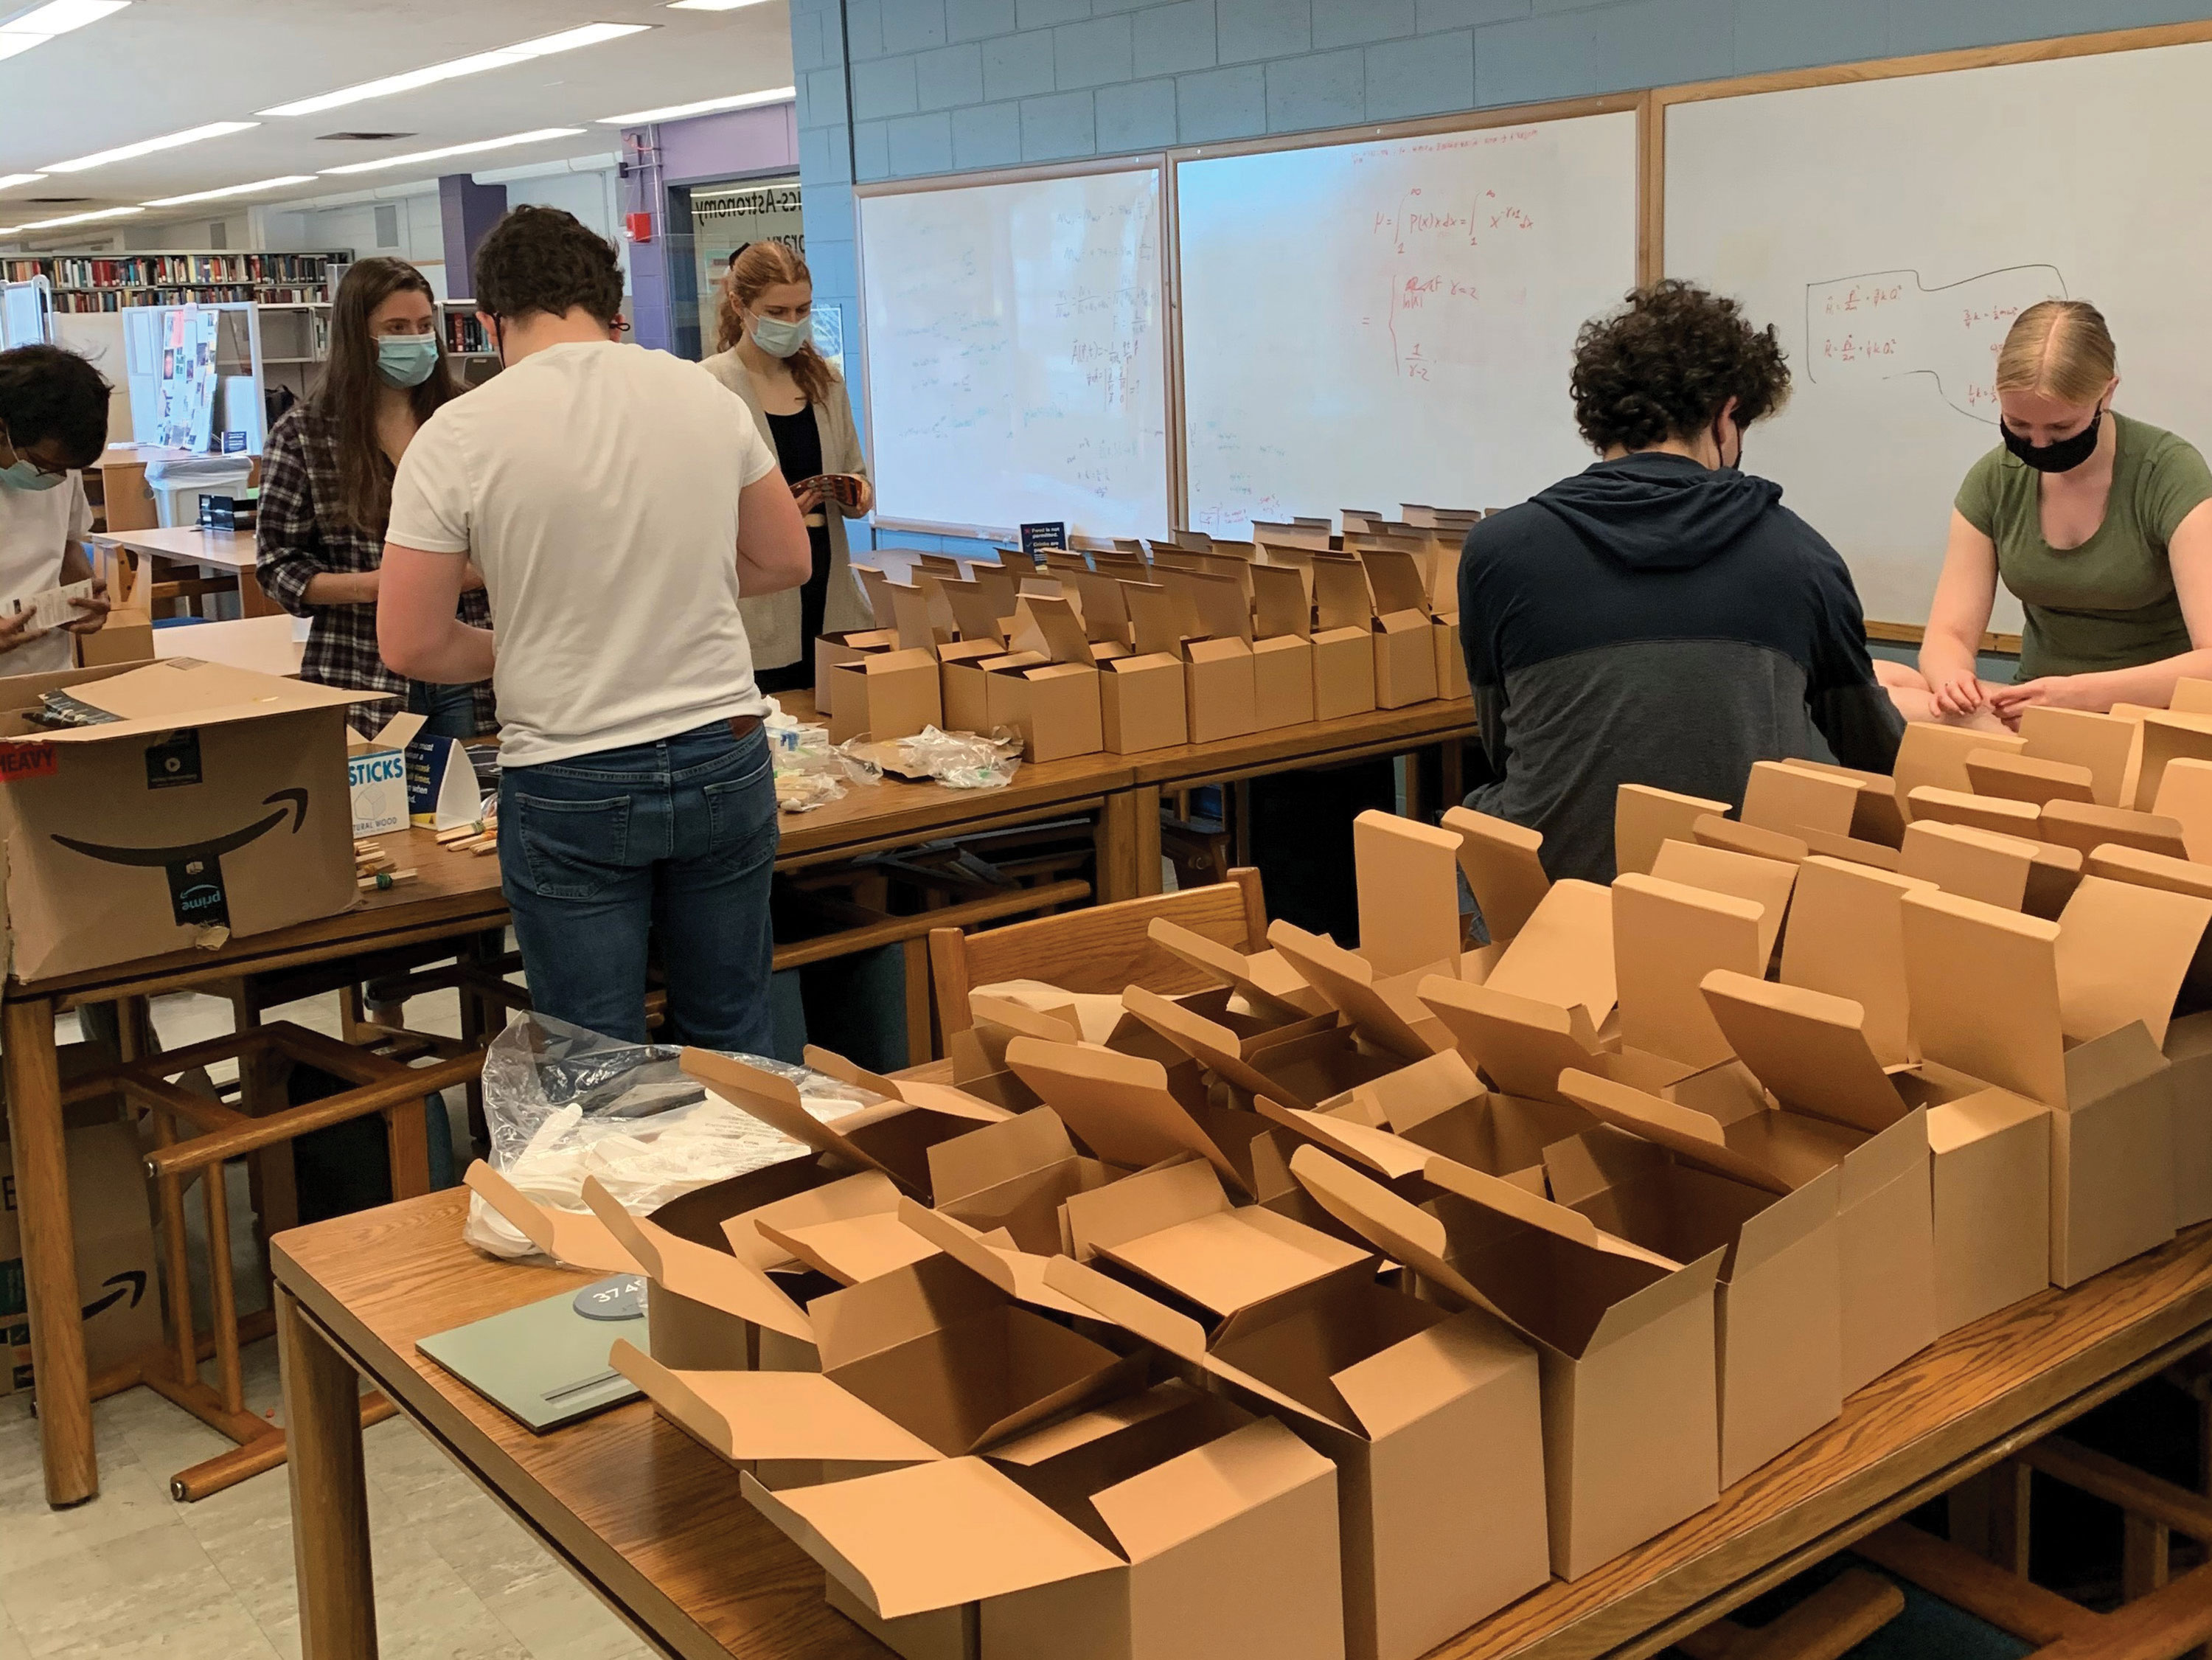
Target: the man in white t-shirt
pixel 617 502
pixel 53 421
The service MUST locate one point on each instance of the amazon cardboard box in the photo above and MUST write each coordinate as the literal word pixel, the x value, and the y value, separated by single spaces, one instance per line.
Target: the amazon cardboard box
pixel 1434 1423
pixel 885 694
pixel 834 651
pixel 2072 1015
pixel 1343 640
pixel 116 1290
pixel 1680 1182
pixel 1169 1523
pixel 205 802
pixel 1624 1341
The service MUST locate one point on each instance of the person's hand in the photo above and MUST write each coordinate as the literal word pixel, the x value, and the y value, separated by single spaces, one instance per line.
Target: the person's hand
pixel 2055 691
pixel 808 497
pixel 472 578
pixel 95 609
pixel 15 631
pixel 867 500
pixel 1958 697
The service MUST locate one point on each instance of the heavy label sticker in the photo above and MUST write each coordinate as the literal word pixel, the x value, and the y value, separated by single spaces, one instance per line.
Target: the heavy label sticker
pixel 19 762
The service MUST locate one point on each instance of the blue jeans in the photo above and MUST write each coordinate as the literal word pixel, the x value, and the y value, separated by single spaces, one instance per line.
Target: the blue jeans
pixel 673 840
pixel 451 709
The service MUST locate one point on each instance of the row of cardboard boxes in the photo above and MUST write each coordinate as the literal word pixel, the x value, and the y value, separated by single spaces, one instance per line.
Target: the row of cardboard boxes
pixel 1124 655
pixel 1330 1311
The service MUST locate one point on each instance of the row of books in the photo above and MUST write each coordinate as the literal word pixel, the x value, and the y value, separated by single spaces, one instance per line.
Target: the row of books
pixel 464 333
pixel 99 300
pixel 164 270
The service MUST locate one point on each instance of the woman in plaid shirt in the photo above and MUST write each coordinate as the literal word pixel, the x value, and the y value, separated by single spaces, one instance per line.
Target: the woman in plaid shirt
pixel 327 492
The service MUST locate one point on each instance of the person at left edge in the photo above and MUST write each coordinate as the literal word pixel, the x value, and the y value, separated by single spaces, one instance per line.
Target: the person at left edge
pixel 326 493
pixel 53 423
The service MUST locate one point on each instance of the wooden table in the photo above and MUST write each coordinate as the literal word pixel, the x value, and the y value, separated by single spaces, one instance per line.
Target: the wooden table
pixel 655 1524
pixel 232 551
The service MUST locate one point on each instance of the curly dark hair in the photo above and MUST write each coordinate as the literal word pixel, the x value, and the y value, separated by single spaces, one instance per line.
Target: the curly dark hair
pixel 46 391
pixel 542 260
pixel 1663 365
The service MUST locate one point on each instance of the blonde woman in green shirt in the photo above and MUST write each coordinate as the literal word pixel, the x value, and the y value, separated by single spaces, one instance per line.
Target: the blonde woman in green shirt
pixel 2100 525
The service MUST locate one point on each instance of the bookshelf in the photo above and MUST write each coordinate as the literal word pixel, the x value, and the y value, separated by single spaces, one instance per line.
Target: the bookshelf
pixel 103 282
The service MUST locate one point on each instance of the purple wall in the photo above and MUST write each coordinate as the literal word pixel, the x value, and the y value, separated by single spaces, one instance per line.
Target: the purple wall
pixel 467 211
pixel 735 144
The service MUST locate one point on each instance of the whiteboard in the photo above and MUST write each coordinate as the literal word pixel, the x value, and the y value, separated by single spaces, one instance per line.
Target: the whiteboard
pixel 1893 228
pixel 1366 324
pixel 1016 352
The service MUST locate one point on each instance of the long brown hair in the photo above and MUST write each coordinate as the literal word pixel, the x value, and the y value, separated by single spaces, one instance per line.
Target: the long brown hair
pixel 756 268
pixel 347 392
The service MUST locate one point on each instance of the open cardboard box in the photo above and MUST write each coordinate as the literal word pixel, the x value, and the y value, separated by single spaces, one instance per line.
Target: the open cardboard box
pixel 1268 985
pixel 1221 678
pixel 885 695
pixel 2072 1015
pixel 1015 1175
pixel 1684 1184
pixel 837 651
pixel 1054 703
pixel 1343 640
pixel 974 701
pixel 1126 1532
pixel 1384 1014
pixel 1144 697
pixel 1434 1423
pixel 1406 650
pixel 1282 647
pixel 1624 1341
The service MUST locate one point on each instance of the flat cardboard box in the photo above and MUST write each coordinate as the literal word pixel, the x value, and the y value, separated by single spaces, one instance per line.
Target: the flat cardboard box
pixel 1141 704
pixel 2069 1015
pixel 1645 820
pixel 1809 1052
pixel 376 773
pixel 118 1288
pixel 2108 746
pixel 885 696
pixel 214 805
pixel 834 651
pixel 1682 1183
pixel 1129 1532
pixel 1433 1420
pixel 1624 1338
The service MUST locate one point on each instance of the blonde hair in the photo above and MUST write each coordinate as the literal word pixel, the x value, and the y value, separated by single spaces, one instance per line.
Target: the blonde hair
pixel 2059 349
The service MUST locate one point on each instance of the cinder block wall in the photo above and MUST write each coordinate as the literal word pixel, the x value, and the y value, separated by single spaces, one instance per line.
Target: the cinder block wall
pixel 905 88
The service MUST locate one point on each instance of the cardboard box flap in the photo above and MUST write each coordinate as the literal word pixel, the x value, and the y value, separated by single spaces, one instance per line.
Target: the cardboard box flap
pixel 396 734
pixel 1341 600
pixel 746 1415
pixel 1212 1045
pixel 1522 1045
pixel 1061 1024
pixel 905 1547
pixel 1767 883
pixel 1412 1095
pixel 831 1064
pixel 582 1242
pixel 1808 1048
pixel 1051 629
pixel 871 1193
pixel 1791 800
pixel 1159 1508
pixel 1645 818
pixel 1692 1136
pixel 2123 952
pixel 1019 1274
pixel 187 692
pixel 1270 984
pixel 851 1249
pixel 995 1153
pixel 1425 1370
pixel 1564 953
pixel 2151 870
pixel 1933 754
pixel 1500 860
pixel 1403 1230
pixel 1347 979
pixel 1985 988
pixel 2106 744
pixel 2118 1060
pixel 2071 824
pixel 1118 1105
pixel 1394 576
pixel 1128 1308
pixel 1279 603
pixel 2024 778
pixel 717 1279
pixel 1387 1154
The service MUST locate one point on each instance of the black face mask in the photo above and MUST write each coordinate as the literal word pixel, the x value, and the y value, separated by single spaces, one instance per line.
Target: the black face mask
pixel 2064 456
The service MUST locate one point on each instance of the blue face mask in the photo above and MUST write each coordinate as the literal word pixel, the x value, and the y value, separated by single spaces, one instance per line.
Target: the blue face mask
pixel 779 338
pixel 24 475
pixel 406 359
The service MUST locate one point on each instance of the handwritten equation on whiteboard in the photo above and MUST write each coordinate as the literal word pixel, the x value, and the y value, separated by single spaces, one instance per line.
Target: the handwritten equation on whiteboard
pixel 1890 326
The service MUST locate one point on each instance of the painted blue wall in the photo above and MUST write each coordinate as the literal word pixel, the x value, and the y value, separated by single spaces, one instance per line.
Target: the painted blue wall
pixel 903 88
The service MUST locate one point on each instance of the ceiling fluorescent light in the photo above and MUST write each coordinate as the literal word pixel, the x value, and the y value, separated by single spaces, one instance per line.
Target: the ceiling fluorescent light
pixel 706 107
pixel 71 219
pixel 232 190
pixel 10 45
pixel 61 17
pixel 591 34
pixel 9 180
pixel 541 134
pixel 709 5
pixel 148 146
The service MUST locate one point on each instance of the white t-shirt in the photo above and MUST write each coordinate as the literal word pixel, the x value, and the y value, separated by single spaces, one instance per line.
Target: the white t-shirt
pixel 596 486
pixel 36 529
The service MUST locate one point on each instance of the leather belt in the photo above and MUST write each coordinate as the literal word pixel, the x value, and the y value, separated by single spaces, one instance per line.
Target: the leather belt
pixel 743 726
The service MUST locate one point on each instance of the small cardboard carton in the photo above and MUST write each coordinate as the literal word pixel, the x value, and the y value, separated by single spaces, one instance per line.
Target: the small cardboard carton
pixel 834 651
pixel 1054 707
pixel 1142 703
pixel 376 773
pixel 1832 1105
pixel 1014 1175
pixel 2107 745
pixel 1343 640
pixel 974 701
pixel 1645 820
pixel 885 694
pixel 1405 649
pixel 1282 647
pixel 2070 1015
pixel 1682 1183
pixel 1433 1420
pixel 206 802
pixel 1128 1532
pixel 1624 1339
pixel 1504 870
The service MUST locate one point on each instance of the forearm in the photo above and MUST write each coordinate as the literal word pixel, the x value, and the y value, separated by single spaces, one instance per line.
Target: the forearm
pixel 340 587
pixel 457 656
pixel 2149 684
pixel 75 567
pixel 1946 656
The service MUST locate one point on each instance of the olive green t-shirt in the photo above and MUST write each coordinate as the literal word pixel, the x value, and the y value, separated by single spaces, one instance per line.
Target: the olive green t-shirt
pixel 2109 604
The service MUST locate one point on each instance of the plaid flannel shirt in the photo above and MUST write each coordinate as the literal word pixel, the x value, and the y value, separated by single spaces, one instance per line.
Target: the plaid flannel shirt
pixel 303 534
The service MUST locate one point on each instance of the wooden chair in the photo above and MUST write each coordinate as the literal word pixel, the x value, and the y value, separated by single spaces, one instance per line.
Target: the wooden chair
pixel 1102 949
pixel 1830 1623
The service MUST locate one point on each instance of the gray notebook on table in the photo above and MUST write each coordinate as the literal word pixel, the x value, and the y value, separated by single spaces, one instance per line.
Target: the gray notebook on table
pixel 545 1363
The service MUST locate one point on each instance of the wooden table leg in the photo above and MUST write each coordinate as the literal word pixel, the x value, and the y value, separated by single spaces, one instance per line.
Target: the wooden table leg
pixel 34 1129
pixel 329 1493
pixel 1145 811
pixel 1117 846
pixel 254 600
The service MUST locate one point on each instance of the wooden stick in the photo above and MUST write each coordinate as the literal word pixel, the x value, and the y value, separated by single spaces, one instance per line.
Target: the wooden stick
pixel 446 838
pixel 382 879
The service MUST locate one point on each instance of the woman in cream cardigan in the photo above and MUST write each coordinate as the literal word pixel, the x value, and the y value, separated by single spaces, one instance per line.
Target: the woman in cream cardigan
pixel 766 356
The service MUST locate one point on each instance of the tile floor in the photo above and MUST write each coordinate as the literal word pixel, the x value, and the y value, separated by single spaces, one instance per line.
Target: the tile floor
pixel 133 1573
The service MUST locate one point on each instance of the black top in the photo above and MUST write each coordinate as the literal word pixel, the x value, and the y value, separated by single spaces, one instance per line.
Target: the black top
pixel 797 439
pixel 1652 621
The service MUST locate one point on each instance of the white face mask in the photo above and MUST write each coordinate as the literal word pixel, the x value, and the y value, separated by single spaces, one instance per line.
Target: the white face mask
pixel 779 338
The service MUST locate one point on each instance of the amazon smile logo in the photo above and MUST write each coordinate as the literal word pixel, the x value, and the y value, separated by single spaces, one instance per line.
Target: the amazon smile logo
pixel 201 854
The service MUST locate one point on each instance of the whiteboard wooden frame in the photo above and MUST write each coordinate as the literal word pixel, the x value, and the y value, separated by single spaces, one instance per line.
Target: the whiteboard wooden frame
pixel 1155 161
pixel 1652 236
pixel 1515 115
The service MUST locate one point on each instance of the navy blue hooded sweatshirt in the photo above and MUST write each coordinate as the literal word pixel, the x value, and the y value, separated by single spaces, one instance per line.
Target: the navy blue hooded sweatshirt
pixel 1653 621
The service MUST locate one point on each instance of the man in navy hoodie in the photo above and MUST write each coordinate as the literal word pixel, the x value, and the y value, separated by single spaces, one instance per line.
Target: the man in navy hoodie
pixel 1661 618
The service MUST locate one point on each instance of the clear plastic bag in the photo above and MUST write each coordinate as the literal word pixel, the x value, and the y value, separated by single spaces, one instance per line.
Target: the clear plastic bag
pixel 960 760
pixel 562 1103
pixel 809 771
